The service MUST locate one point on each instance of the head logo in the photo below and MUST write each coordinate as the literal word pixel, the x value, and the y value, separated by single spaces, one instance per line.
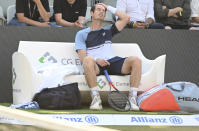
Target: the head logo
pixel 14 76
pixel 92 119
pixel 47 58
pixel 176 120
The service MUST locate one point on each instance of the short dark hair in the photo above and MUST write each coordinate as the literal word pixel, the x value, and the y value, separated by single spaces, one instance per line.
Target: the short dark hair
pixel 93 8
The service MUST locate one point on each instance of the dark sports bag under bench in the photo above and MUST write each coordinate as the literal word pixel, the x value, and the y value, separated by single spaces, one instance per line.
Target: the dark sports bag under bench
pixel 59 98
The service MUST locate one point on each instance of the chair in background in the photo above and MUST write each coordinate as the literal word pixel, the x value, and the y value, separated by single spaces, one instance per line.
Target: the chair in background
pixel 11 13
pixel 110 2
pixel 5 4
pixel 2 18
pixel 51 10
pixel 107 2
pixel 51 2
pixel 89 3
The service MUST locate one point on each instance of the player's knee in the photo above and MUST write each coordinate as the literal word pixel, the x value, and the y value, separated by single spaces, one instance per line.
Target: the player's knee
pixel 135 61
pixel 88 62
pixel 138 60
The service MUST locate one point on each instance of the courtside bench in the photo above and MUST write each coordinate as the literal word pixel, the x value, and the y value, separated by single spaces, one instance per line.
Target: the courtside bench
pixel 26 81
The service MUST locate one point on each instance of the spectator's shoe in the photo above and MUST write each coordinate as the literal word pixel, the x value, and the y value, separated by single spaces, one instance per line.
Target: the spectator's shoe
pixel 96 103
pixel 28 105
pixel 133 103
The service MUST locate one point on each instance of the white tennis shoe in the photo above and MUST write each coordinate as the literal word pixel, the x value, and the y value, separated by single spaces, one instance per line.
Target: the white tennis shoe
pixel 133 103
pixel 96 103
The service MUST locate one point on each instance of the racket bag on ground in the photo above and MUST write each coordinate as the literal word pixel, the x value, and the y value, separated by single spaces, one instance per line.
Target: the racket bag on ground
pixel 174 96
pixel 59 98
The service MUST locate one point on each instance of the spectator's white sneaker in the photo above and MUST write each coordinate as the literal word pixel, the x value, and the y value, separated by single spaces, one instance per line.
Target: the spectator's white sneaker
pixel 96 103
pixel 133 103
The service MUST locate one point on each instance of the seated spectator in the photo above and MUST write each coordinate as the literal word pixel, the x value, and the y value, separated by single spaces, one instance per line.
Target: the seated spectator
pixel 174 14
pixel 195 13
pixel 70 12
pixel 32 12
pixel 141 13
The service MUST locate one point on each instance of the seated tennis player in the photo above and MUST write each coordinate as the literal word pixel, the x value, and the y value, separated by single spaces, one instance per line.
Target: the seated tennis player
pixel 94 48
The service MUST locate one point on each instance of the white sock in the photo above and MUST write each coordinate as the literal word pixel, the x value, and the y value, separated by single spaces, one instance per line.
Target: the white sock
pixel 94 91
pixel 133 91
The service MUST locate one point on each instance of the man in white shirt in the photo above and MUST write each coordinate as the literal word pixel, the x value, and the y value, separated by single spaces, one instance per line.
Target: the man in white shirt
pixel 141 13
pixel 195 12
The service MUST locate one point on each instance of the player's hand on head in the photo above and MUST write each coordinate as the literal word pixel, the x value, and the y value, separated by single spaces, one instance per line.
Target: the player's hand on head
pixel 105 6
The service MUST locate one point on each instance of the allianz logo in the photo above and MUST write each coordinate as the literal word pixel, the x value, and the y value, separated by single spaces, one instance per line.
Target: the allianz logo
pixel 89 119
pixel 71 119
pixel 173 119
pixel 176 120
pixel 148 120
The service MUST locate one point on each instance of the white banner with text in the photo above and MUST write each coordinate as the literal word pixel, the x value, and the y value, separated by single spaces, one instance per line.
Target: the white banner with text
pixel 116 119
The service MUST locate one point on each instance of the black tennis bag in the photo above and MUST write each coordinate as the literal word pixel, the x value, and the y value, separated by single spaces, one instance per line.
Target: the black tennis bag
pixel 59 98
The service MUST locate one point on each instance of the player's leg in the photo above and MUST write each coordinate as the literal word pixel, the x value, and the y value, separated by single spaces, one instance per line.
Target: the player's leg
pixel 133 65
pixel 91 70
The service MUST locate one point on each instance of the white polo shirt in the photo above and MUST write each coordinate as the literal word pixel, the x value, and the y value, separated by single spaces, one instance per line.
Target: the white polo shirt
pixel 195 9
pixel 138 10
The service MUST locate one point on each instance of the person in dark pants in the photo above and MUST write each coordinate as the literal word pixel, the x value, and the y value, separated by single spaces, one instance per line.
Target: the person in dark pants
pixel 70 12
pixel 31 12
pixel 174 14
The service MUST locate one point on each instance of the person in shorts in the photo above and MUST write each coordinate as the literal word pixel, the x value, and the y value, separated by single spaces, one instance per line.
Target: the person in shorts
pixel 94 48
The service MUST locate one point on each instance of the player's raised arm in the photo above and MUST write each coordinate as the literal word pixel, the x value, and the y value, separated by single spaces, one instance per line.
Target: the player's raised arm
pixel 123 18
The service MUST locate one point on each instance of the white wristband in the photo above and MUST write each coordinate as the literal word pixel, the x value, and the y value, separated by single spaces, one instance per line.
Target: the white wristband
pixel 111 9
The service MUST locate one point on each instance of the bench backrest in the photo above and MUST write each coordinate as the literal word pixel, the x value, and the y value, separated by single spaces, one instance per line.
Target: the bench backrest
pixel 64 53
